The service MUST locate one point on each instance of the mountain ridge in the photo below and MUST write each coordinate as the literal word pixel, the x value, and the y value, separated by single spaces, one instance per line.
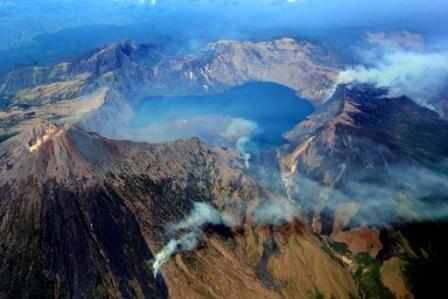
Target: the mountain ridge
pixel 129 71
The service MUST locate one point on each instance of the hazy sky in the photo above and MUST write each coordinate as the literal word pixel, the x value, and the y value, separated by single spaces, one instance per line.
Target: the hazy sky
pixel 45 30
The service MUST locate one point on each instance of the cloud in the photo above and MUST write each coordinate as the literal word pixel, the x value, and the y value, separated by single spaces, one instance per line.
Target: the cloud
pixel 275 211
pixel 143 2
pixel 407 194
pixel 187 242
pixel 396 40
pixel 215 129
pixel 421 76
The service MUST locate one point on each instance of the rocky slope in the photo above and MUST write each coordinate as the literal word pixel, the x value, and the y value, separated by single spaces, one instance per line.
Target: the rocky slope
pixel 361 136
pixel 68 224
pixel 360 130
pixel 106 80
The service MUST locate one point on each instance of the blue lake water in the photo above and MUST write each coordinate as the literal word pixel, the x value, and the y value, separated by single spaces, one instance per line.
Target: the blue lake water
pixel 274 108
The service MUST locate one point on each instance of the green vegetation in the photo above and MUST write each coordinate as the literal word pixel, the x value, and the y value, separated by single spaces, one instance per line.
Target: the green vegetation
pixel 97 290
pixel 339 247
pixel 367 274
pixel 425 260
pixel 368 278
pixel 336 247
pixel 319 295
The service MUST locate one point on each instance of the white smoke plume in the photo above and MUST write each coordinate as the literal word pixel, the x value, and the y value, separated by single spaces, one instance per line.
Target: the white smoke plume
pixel 239 131
pixel 420 76
pixel 241 146
pixel 201 215
pixel 185 243
pixel 214 129
pixel 239 127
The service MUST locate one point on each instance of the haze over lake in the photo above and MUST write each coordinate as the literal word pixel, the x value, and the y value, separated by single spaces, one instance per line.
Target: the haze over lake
pixel 274 109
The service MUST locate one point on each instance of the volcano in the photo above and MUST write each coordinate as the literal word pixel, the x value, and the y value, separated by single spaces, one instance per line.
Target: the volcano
pixel 349 203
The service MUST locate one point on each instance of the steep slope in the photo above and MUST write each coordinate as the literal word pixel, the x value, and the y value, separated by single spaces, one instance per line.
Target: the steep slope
pixel 272 261
pixel 360 134
pixel 66 224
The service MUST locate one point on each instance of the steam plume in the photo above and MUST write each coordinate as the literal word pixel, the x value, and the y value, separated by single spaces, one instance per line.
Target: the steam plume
pixel 409 193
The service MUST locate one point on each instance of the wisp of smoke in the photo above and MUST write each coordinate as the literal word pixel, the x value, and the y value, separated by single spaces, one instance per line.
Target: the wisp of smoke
pixel 203 214
pixel 409 193
pixel 395 40
pixel 185 243
pixel 239 127
pixel 420 76
pixel 239 131
pixel 276 211
pixel 240 145
pixel 193 226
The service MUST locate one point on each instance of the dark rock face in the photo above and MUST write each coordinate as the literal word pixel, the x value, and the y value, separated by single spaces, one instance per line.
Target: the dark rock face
pixel 84 240
pixel 363 111
pixel 90 231
pixel 80 243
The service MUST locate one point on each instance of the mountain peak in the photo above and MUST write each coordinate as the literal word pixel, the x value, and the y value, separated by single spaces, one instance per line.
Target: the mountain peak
pixel 43 133
pixel 125 47
pixel 43 152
